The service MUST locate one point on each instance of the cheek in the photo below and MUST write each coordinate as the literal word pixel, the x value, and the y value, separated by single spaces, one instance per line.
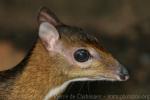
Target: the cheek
pixel 95 63
pixel 68 56
pixel 84 65
pixel 98 66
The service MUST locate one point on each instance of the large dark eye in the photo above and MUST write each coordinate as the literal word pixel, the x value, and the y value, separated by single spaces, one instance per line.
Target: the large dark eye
pixel 81 55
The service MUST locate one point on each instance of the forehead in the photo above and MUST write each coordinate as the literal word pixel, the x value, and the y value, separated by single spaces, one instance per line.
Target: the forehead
pixel 76 35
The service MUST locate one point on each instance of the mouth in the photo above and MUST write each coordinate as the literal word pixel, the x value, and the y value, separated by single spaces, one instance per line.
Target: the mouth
pixel 107 78
pixel 102 78
pixel 121 77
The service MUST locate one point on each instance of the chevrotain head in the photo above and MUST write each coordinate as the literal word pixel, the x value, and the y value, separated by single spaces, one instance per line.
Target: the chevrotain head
pixel 81 52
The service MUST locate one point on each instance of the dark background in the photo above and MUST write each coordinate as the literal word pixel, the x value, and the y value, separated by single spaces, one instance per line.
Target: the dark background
pixel 123 26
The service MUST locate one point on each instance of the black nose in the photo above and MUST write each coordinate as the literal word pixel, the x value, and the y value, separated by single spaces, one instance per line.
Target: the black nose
pixel 123 73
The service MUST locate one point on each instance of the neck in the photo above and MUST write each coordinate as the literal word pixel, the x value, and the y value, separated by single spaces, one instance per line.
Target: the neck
pixel 40 76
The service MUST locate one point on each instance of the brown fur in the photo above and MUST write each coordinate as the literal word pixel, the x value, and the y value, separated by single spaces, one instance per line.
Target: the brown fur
pixel 38 77
pixel 44 70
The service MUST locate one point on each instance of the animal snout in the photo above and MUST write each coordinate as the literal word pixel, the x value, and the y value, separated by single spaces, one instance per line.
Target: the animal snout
pixel 123 74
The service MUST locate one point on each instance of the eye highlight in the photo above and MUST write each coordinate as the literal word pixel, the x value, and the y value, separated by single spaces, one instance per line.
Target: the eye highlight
pixel 82 55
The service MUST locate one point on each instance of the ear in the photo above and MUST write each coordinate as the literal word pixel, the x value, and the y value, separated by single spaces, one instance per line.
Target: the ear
pixel 47 28
pixel 46 15
pixel 49 35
